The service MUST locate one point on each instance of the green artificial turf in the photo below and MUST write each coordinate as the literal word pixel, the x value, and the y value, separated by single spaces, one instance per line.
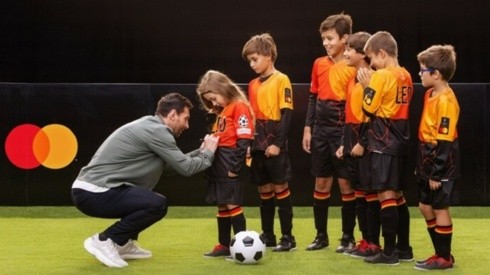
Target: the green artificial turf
pixel 49 240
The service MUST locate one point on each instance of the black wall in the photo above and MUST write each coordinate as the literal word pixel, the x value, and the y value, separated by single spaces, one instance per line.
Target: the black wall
pixel 93 111
pixel 176 41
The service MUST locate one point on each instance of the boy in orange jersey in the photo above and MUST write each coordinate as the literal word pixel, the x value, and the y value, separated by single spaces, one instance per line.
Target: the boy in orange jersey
pixel 271 97
pixel 387 95
pixel 354 141
pixel 438 164
pixel 235 128
pixel 325 119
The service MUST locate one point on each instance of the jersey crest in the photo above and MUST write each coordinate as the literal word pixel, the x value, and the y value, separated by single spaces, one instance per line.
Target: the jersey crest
pixel 368 96
pixel 444 126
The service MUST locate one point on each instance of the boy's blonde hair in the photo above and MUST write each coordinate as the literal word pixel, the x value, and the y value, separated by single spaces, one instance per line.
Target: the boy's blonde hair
pixel 262 44
pixel 219 83
pixel 441 58
pixel 382 40
pixel 342 23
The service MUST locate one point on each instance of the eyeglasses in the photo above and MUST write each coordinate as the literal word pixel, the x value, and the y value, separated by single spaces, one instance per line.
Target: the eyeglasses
pixel 430 70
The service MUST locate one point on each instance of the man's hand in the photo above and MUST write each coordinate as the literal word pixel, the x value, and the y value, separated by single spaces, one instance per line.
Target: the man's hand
pixel 210 143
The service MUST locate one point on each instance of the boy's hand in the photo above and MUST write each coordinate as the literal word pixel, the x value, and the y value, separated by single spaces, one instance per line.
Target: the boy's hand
pixel 434 185
pixel 272 151
pixel 364 76
pixel 307 140
pixel 340 152
pixel 357 150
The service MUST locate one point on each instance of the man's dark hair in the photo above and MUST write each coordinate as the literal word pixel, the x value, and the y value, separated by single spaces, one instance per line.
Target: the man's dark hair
pixel 172 101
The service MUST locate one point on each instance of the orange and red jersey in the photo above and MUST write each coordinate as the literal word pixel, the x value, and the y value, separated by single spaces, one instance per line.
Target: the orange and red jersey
pixel 268 97
pixel 387 100
pixel 329 81
pixel 438 156
pixel 354 116
pixel 234 122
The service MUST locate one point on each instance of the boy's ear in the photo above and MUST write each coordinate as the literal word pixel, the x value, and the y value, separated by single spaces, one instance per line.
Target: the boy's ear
pixel 344 38
pixel 382 53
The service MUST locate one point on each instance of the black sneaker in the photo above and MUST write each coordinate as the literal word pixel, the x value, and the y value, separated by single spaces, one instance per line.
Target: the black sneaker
pixel 320 242
pixel 381 258
pixel 405 255
pixel 269 239
pixel 287 243
pixel 218 251
pixel 347 243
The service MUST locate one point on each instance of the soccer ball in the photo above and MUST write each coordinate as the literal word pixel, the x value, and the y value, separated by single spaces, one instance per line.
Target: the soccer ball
pixel 247 247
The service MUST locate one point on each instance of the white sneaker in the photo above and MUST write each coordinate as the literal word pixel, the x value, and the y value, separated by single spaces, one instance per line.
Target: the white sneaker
pixel 132 251
pixel 104 251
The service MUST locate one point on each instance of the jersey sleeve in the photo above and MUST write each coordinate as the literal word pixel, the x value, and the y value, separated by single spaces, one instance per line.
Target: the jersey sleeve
pixel 285 94
pixel 447 119
pixel 314 78
pixel 243 122
pixel 373 94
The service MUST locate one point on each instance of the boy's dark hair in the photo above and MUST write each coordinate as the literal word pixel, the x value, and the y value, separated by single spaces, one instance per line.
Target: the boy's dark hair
pixel 357 41
pixel 261 44
pixel 342 23
pixel 441 58
pixel 172 101
pixel 382 40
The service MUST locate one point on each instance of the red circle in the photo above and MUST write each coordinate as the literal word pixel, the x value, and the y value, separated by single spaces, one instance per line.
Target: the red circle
pixel 18 146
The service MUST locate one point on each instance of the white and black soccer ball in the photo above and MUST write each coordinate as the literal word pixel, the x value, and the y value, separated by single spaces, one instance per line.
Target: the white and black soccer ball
pixel 247 247
pixel 243 121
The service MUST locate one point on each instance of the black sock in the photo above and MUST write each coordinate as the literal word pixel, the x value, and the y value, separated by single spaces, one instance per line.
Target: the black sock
pixel 348 214
pixel 224 227
pixel 373 218
pixel 431 228
pixel 389 224
pixel 321 203
pixel 403 233
pixel 267 212
pixel 285 211
pixel 444 234
pixel 238 220
pixel 361 209
pixel 103 237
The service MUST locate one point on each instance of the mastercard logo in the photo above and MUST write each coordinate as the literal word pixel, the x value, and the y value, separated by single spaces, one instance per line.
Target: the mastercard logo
pixel 29 146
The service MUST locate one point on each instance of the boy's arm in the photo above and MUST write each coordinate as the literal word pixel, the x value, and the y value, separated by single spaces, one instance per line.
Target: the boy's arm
pixel 368 98
pixel 310 112
pixel 283 127
pixel 238 159
pixel 441 156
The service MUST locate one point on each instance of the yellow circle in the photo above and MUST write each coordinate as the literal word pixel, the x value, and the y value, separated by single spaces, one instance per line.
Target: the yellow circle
pixel 63 146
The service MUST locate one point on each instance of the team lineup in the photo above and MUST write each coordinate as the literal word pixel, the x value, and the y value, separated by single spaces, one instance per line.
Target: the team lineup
pixel 356 132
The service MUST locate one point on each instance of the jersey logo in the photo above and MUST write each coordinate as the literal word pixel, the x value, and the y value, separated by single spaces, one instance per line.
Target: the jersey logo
pixel 287 95
pixel 221 124
pixel 243 121
pixel 444 126
pixel 368 96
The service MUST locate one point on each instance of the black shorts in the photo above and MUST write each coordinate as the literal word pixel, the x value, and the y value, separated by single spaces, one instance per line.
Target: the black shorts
pixel 225 191
pixel 266 170
pixel 388 172
pixel 361 167
pixel 324 163
pixel 438 199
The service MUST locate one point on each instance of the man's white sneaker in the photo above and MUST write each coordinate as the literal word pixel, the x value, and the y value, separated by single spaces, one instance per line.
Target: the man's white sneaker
pixel 131 251
pixel 104 251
